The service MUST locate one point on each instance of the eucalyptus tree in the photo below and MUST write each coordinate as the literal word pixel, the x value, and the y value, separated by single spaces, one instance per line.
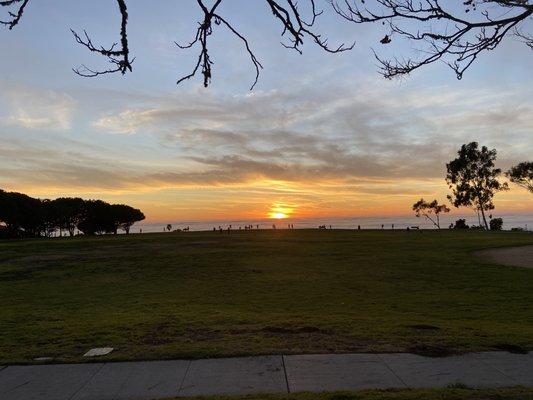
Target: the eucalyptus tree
pixel 474 180
pixel 522 175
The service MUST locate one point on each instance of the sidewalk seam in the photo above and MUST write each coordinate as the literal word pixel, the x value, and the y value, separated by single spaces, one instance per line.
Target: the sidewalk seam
pixel 285 373
pixel 88 380
pixel 180 387
pixel 494 368
pixel 391 370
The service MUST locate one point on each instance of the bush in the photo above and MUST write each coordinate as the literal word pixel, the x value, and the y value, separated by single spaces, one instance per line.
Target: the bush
pixel 519 229
pixel 460 224
pixel 496 224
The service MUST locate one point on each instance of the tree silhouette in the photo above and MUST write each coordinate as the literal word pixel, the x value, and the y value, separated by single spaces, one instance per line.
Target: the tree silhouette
pixel 430 210
pixel 473 179
pixel 25 216
pixel 69 213
pixel 124 217
pixel 456 34
pixel 522 175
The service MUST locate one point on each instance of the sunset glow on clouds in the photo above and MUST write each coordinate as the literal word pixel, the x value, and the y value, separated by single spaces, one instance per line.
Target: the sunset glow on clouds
pixel 331 141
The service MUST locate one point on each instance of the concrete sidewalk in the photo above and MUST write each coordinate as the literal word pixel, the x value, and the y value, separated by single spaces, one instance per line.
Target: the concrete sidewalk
pixel 262 374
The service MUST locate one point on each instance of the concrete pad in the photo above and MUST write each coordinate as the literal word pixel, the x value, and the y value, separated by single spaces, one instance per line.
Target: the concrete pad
pixel 98 351
pixel 135 380
pixel 426 372
pixel 325 372
pixel 235 376
pixel 45 382
pixel 518 367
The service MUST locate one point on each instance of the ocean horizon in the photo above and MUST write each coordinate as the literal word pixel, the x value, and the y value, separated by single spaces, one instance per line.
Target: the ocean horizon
pixel 524 221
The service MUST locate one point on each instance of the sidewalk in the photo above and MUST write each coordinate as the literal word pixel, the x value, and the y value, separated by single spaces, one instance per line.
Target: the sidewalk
pixel 262 374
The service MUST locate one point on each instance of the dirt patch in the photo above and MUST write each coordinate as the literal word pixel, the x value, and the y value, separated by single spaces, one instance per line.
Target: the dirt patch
pixel 295 330
pixel 511 348
pixel 424 327
pixel 512 256
pixel 431 350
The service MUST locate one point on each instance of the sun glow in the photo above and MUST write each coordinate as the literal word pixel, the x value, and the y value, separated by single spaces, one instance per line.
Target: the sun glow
pixel 278 215
pixel 280 211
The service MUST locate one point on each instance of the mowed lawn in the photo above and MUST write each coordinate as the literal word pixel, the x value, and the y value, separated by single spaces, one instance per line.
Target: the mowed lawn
pixel 206 294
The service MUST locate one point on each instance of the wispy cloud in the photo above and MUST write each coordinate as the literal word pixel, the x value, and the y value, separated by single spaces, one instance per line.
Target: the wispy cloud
pixel 35 109
pixel 305 146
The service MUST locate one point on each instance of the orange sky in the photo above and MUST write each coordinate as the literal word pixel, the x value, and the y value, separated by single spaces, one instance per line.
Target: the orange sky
pixel 266 199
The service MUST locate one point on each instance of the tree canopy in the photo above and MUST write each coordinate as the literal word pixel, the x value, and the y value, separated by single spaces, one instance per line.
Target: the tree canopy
pixel 522 175
pixel 430 210
pixel 456 33
pixel 473 178
pixel 25 216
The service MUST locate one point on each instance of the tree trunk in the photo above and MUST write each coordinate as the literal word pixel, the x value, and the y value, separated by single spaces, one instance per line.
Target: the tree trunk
pixel 484 218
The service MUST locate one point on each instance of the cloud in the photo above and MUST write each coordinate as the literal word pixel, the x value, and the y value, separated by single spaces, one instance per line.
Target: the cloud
pixel 357 137
pixel 35 109
pixel 312 134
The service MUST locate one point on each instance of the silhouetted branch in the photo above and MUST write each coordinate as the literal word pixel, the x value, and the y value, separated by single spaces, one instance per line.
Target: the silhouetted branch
pixel 15 16
pixel 294 26
pixel 451 37
pixel 455 37
pixel 119 58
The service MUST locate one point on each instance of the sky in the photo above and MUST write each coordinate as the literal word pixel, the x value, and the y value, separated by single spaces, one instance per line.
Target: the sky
pixel 320 135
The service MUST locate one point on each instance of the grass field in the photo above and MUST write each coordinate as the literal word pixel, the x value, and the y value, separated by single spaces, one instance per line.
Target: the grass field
pixel 203 294
pixel 434 394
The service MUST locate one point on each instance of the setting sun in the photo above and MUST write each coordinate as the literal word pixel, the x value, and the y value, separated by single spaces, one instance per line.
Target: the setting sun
pixel 280 211
pixel 278 215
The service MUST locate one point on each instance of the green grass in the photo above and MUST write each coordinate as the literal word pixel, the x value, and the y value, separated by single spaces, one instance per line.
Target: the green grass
pixel 433 394
pixel 203 294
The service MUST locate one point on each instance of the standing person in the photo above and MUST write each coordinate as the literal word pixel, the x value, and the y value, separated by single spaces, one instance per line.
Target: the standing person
pixel 393 226
pixel 382 226
pixel 358 227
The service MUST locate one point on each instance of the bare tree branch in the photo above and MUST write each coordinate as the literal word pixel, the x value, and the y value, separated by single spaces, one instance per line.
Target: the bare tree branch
pixel 456 34
pixel 452 37
pixel 118 58
pixel 293 24
pixel 15 16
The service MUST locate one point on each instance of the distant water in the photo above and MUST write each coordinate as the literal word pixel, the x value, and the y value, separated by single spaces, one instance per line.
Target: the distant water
pixel 509 221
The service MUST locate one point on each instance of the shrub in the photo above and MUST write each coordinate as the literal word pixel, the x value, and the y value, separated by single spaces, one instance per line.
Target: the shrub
pixel 496 224
pixel 460 224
